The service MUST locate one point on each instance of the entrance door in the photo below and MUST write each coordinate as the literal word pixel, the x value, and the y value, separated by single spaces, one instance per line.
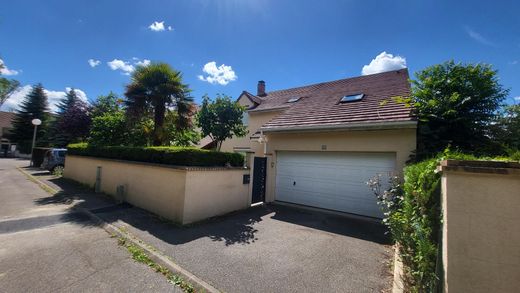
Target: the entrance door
pixel 259 174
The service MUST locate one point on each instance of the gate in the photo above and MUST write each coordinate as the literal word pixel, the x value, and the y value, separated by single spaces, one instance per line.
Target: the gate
pixel 259 174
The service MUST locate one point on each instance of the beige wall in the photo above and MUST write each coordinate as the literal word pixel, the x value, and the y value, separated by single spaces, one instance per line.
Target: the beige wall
pixel 181 194
pixel 401 142
pixel 481 233
pixel 212 193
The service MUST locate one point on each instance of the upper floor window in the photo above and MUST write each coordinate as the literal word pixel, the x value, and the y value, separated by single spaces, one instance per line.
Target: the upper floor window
pixel 245 118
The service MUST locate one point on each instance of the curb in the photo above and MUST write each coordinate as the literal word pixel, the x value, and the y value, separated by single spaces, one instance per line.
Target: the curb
pixel 158 257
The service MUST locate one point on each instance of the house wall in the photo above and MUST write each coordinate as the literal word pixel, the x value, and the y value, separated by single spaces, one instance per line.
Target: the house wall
pixel 401 142
pixel 481 237
pixel 181 194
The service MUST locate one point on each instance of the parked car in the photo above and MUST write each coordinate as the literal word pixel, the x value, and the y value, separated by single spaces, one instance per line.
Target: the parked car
pixel 54 159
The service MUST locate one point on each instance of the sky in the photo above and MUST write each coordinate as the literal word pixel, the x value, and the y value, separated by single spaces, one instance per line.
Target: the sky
pixel 226 46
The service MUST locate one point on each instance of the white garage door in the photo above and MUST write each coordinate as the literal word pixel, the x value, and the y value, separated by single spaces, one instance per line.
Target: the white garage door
pixel 332 180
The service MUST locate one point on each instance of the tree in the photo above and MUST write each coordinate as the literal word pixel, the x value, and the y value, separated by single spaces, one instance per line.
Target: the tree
pixel 506 130
pixel 179 137
pixel 455 104
pixel 72 123
pixel 7 88
pixel 153 89
pixel 221 119
pixel 34 106
pixel 109 129
pixel 110 103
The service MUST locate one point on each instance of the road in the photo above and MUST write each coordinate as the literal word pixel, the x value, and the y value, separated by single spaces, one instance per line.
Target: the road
pixel 47 247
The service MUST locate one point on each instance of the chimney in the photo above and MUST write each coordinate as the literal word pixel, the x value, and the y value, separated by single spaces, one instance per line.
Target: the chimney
pixel 261 89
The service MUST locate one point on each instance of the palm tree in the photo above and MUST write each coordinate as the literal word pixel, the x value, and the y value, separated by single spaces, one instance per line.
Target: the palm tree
pixel 155 89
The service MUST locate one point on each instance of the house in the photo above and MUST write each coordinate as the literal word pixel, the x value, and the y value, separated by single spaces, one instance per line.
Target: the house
pixel 6 120
pixel 318 145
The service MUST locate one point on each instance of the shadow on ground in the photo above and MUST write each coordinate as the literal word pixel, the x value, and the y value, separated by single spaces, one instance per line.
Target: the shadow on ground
pixel 234 228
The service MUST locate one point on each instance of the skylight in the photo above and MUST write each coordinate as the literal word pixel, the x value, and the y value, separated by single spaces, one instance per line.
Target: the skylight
pixel 293 100
pixel 351 98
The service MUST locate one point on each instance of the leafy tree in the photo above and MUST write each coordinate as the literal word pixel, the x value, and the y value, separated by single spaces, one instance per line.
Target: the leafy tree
pixel 34 106
pixel 455 104
pixel 154 89
pixel 109 129
pixel 221 119
pixel 179 137
pixel 72 122
pixel 506 130
pixel 7 88
pixel 110 103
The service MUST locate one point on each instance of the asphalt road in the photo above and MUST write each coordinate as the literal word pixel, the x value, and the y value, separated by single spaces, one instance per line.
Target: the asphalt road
pixel 46 247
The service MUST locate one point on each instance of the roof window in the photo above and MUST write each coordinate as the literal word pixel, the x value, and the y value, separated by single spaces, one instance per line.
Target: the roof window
pixel 293 100
pixel 352 98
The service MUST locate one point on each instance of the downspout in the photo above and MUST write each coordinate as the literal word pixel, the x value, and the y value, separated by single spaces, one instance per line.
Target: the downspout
pixel 264 142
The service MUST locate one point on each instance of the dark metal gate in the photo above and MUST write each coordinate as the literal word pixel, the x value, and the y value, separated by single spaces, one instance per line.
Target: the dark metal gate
pixel 259 174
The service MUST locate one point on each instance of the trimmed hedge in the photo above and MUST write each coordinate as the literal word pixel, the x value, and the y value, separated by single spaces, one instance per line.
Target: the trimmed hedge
pixel 180 156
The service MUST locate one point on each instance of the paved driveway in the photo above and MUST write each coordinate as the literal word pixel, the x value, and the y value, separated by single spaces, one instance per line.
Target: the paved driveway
pixel 272 249
pixel 263 249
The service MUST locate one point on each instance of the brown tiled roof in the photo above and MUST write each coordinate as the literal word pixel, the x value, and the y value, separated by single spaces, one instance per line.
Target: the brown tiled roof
pixel 6 119
pixel 253 98
pixel 319 104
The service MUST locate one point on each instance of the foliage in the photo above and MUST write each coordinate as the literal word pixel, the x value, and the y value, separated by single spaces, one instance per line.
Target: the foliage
pixel 7 88
pixel 179 137
pixel 109 129
pixel 110 103
pixel 154 89
pixel 221 119
pixel 34 106
pixel 73 120
pixel 182 156
pixel 412 212
pixel 455 104
pixel 506 128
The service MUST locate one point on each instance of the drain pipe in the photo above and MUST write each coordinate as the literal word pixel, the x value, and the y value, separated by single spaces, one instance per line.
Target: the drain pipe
pixel 97 187
pixel 263 140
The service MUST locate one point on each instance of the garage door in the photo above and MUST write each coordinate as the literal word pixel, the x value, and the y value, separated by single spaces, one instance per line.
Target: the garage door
pixel 332 180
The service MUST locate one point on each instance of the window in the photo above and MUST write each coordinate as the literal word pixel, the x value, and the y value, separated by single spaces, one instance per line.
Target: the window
pixel 245 118
pixel 293 100
pixel 351 98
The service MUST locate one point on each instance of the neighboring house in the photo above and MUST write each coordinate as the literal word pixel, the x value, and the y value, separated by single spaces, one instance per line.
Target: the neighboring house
pixel 319 144
pixel 6 120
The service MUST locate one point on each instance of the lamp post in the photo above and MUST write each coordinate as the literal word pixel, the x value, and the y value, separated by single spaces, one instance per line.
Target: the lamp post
pixel 34 122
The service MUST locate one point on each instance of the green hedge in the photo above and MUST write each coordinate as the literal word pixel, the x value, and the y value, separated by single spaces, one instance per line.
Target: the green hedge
pixel 180 156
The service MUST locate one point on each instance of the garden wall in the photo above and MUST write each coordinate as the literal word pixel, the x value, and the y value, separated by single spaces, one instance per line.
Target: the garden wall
pixel 481 236
pixel 181 194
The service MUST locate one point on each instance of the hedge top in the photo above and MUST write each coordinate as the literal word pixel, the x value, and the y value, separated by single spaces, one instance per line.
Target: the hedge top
pixel 178 156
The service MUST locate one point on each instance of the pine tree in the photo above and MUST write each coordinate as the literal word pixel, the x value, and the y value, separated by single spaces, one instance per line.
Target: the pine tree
pixel 72 122
pixel 34 106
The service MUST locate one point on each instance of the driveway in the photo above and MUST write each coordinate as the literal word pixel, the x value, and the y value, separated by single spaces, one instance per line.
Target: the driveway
pixel 49 248
pixel 268 248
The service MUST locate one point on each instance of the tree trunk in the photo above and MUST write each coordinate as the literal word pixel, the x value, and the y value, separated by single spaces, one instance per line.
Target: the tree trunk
pixel 159 110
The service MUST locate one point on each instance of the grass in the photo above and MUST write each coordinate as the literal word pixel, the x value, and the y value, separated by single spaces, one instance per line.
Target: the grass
pixel 139 255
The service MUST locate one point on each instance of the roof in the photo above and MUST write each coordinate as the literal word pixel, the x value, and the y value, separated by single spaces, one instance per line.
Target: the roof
pixel 6 119
pixel 319 106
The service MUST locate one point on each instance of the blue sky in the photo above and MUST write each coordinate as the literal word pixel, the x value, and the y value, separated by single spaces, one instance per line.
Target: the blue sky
pixel 286 43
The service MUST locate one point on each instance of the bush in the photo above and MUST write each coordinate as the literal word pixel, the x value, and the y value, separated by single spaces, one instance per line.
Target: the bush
pixel 412 212
pixel 181 156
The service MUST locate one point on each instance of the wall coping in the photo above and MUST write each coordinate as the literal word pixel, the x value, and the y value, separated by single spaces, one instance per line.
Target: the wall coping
pixel 486 167
pixel 177 167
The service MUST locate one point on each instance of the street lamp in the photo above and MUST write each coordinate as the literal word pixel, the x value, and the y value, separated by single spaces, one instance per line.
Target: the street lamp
pixel 34 122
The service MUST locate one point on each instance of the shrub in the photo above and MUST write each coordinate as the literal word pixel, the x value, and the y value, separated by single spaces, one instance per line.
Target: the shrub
pixel 181 156
pixel 412 212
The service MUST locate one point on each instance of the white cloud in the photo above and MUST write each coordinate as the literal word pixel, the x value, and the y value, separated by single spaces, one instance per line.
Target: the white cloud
pixel 222 74
pixel 127 67
pixel 517 98
pixel 124 66
pixel 478 37
pixel 384 62
pixel 158 26
pixel 6 71
pixel 54 97
pixel 514 62
pixel 144 62
pixel 93 62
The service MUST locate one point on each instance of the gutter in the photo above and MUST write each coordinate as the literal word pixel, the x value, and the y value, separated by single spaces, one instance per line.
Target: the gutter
pixel 350 126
